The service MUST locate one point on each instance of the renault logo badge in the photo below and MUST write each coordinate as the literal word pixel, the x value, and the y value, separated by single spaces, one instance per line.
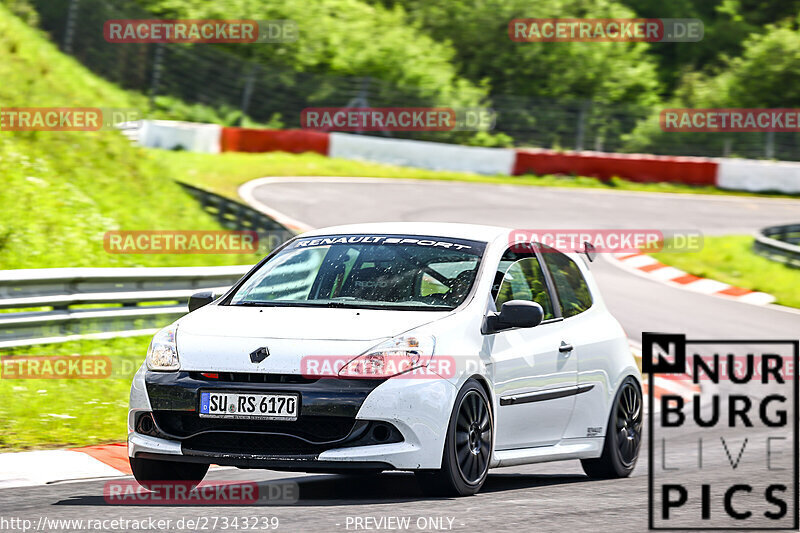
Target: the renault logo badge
pixel 259 355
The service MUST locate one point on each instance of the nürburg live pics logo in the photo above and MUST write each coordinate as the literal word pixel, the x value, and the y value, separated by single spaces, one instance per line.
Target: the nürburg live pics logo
pixel 726 458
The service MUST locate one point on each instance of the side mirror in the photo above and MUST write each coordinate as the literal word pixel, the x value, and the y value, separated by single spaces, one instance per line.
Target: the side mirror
pixel 513 314
pixel 199 299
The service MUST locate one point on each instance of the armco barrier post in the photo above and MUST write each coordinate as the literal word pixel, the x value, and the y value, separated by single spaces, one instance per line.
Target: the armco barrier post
pixel 156 80
pixel 249 86
pixel 69 30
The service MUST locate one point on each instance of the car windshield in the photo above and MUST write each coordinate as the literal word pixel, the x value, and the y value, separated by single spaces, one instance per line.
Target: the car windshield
pixel 366 271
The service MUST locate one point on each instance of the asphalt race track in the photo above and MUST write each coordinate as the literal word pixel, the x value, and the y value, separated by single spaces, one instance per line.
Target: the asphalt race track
pixel 549 497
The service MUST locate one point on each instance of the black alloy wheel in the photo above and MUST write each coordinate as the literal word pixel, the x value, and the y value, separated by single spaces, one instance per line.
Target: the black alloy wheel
pixel 473 437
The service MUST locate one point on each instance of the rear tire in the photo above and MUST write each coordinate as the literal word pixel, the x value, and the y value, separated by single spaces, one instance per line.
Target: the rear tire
pixel 467 447
pixel 149 472
pixel 623 436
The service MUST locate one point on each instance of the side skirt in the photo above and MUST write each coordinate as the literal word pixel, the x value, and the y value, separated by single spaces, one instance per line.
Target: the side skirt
pixel 586 448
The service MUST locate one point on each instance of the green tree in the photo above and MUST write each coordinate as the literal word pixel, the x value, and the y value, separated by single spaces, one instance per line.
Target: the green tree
pixel 478 29
pixel 343 37
pixel 767 74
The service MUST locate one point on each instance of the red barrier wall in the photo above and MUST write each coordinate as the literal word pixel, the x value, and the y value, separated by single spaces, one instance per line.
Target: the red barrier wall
pixel 260 140
pixel 634 167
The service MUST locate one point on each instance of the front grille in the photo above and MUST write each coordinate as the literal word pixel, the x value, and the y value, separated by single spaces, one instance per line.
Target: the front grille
pixel 251 444
pixel 183 424
pixel 253 377
pixel 364 433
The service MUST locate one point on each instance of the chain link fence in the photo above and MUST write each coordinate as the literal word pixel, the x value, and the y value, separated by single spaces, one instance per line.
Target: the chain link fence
pixel 272 94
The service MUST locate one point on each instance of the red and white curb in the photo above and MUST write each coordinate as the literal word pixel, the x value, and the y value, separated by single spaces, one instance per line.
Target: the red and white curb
pixel 42 467
pixel 45 467
pixel 645 265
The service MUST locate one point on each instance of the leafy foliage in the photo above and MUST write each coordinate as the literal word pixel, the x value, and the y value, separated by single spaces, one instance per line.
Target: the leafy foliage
pixel 343 37
pixel 765 75
pixel 61 191
pixel 603 72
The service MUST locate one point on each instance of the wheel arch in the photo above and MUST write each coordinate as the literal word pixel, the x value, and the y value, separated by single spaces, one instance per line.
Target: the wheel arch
pixel 484 383
pixel 637 380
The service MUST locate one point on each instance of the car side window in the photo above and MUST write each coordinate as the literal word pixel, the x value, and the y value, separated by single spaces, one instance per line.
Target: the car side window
pixel 524 280
pixel 573 292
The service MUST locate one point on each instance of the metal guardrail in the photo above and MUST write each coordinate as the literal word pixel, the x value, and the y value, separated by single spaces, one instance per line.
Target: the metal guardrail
pixel 148 298
pixel 83 301
pixel 235 216
pixel 779 243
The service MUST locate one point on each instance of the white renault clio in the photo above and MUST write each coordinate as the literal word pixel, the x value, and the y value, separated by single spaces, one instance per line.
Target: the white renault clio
pixel 444 349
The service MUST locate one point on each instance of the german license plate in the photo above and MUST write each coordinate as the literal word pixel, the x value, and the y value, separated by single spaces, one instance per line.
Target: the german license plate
pixel 249 405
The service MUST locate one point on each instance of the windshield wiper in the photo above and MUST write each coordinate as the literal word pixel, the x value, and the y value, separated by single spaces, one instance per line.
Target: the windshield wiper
pixel 348 304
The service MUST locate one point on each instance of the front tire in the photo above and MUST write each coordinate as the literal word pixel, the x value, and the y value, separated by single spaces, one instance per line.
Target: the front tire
pixel 151 472
pixel 623 436
pixel 467 447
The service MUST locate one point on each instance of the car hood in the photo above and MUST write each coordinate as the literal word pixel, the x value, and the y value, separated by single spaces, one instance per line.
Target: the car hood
pixel 220 338
pixel 302 323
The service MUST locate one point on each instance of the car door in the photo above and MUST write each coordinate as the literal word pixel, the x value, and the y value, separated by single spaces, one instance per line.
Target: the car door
pixel 534 377
pixel 584 331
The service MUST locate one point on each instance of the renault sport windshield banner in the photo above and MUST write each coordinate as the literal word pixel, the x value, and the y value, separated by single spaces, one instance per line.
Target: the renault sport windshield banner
pixel 460 245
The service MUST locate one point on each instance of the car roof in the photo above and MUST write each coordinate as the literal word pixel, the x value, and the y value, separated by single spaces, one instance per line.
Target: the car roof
pixel 473 232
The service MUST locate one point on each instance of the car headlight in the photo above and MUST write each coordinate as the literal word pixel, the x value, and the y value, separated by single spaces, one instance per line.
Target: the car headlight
pixel 390 358
pixel 162 355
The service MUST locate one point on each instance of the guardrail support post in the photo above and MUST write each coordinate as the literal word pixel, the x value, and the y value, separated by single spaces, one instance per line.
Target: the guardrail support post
pixel 69 30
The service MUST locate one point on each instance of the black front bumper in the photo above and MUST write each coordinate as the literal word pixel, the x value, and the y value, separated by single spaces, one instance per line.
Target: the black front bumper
pixel 326 418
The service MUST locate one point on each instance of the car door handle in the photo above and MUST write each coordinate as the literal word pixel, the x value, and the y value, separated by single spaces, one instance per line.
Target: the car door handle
pixel 565 348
